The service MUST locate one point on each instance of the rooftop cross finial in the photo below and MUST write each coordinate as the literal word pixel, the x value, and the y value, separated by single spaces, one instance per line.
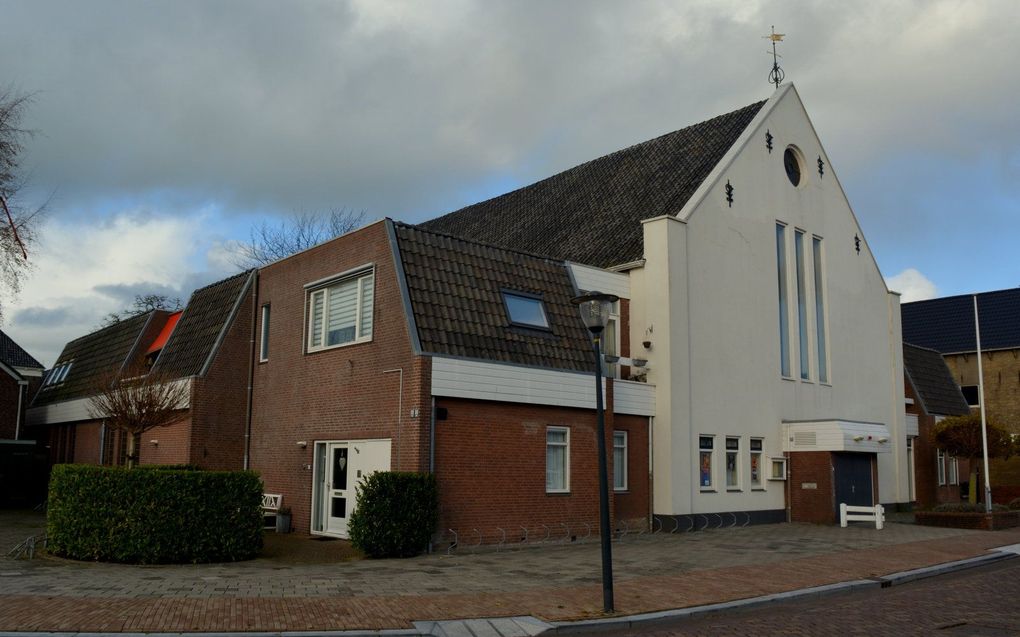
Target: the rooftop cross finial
pixel 776 75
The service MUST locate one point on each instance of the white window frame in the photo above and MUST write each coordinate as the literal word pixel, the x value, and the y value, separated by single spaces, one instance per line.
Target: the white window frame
pixel 624 436
pixel 953 469
pixel 760 453
pixel 783 299
pixel 264 332
pixel 777 461
pixel 612 370
pixel 940 467
pixel 800 289
pixel 566 458
pixel 821 309
pixel 735 453
pixel 324 289
pixel 711 462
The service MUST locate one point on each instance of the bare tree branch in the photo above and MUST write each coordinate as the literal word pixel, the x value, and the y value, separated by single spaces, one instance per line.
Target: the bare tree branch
pixel 137 403
pixel 271 242
pixel 144 303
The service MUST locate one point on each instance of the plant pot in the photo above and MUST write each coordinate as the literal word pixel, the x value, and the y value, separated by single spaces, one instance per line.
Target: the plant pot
pixel 283 523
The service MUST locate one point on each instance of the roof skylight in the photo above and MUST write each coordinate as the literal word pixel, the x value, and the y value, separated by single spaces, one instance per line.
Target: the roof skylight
pixel 525 310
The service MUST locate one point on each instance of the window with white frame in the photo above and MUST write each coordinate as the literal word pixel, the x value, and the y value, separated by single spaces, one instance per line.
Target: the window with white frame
pixel 526 310
pixel 953 469
pixel 620 460
pixel 784 328
pixel 264 344
pixel 611 341
pixel 705 451
pixel 756 457
pixel 732 459
pixel 557 460
pixel 940 466
pixel 778 471
pixel 820 343
pixel 340 313
pixel 57 374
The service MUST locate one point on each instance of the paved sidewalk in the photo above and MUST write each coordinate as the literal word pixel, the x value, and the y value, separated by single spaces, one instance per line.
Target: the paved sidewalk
pixel 553 583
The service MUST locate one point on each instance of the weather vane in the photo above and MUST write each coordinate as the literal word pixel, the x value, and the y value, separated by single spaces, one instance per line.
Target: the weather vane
pixel 777 75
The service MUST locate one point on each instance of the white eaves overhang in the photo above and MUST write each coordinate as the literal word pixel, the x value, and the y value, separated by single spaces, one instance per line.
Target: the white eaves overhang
pixel 836 435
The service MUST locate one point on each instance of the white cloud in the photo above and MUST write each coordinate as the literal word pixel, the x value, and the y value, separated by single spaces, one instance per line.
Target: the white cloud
pixel 913 286
pixel 87 268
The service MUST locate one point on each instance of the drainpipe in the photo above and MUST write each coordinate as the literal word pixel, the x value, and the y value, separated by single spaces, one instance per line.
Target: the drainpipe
pixel 251 368
pixel 432 436
pixel 400 408
pixel 22 384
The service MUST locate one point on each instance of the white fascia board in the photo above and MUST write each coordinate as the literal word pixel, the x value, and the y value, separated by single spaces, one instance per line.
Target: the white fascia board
pixel 78 409
pixel 592 279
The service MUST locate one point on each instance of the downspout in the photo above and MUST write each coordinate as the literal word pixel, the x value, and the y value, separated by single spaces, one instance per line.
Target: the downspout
pixel 400 409
pixel 251 369
pixel 22 384
pixel 432 436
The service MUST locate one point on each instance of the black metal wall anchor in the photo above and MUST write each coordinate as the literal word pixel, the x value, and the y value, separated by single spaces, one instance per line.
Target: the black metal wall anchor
pixel 729 194
pixel 857 243
pixel 768 140
pixel 821 167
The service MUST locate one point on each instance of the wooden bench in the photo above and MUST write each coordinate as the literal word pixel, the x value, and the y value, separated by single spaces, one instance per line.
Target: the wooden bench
pixel 270 507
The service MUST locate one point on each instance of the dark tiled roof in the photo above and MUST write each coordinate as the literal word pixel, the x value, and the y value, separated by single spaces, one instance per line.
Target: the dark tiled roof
pixel 198 331
pixel 12 354
pixel 591 213
pixel 947 324
pixel 95 356
pixel 933 381
pixel 455 291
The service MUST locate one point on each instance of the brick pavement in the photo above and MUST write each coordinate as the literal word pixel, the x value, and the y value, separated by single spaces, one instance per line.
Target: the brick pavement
pixel 554 583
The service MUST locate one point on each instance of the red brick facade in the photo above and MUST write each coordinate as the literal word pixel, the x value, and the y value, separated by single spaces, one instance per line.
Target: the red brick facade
pixel 927 490
pixel 815 505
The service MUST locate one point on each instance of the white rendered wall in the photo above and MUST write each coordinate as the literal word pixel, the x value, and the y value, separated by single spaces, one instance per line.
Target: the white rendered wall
pixel 711 293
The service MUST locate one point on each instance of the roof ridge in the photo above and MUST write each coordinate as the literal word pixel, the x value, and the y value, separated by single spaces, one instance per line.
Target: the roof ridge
pixel 1015 290
pixel 112 325
pixel 215 283
pixel 491 246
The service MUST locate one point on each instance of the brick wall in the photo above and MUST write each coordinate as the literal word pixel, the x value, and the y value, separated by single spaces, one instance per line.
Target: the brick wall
pixel 491 469
pixel 345 393
pixel 173 448
pixel 87 442
pixel 9 390
pixel 219 400
pixel 1002 398
pixel 811 505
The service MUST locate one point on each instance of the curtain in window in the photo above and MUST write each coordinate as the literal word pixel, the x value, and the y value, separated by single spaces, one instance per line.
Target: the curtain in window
pixel 342 312
pixel 367 292
pixel 556 460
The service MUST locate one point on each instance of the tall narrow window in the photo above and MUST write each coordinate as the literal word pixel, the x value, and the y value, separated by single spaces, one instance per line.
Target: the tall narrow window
pixel 802 322
pixel 264 345
pixel 784 331
pixel 557 460
pixel 705 444
pixel 620 460
pixel 611 341
pixel 732 452
pixel 823 359
pixel 756 454
pixel 940 466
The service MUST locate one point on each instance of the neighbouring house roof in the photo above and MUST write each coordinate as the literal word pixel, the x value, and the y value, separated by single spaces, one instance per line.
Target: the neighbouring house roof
pixel 95 356
pixel 947 324
pixel 591 213
pixel 205 319
pixel 14 356
pixel 455 288
pixel 933 382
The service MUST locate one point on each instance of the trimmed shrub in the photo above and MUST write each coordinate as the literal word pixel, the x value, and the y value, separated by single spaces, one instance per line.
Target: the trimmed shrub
pixel 965 507
pixel 169 516
pixel 396 514
pixel 1014 504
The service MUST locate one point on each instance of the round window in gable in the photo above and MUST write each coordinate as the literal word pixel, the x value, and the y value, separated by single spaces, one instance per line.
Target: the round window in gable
pixel 793 164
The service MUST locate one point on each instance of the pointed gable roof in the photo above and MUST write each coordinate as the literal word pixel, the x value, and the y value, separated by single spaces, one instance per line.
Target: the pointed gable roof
pixel 198 332
pixel 591 213
pixel 947 324
pixel 933 381
pixel 12 355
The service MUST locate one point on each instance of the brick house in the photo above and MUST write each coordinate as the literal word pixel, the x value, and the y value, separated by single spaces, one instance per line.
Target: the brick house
pixel 20 376
pixel 396 348
pixel 931 395
pixel 207 345
pixel 947 326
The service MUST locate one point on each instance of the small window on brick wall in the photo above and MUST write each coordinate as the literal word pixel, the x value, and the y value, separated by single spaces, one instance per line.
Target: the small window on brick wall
pixel 557 460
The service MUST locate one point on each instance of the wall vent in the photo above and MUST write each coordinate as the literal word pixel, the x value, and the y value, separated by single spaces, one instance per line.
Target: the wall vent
pixel 804 439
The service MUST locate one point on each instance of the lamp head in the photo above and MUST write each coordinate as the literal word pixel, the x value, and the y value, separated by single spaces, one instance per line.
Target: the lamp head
pixel 595 308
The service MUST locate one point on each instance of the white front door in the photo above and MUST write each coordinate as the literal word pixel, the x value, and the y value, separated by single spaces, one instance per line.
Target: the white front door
pixel 339 469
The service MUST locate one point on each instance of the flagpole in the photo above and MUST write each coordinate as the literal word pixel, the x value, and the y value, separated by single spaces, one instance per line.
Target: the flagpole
pixel 981 399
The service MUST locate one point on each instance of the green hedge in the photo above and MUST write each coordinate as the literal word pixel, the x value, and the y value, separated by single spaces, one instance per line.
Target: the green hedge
pixel 154 517
pixel 396 514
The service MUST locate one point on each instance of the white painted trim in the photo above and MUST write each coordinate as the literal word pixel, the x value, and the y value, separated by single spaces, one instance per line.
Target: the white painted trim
pixel 836 435
pixel 566 459
pixel 340 275
pixel 912 428
pixel 29 372
pixel 630 397
pixel 78 409
pixel 589 279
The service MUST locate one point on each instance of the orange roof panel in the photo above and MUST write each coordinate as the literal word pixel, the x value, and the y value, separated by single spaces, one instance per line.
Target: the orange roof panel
pixel 164 334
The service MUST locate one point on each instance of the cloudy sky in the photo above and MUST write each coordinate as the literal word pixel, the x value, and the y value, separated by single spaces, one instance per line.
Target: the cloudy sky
pixel 168 128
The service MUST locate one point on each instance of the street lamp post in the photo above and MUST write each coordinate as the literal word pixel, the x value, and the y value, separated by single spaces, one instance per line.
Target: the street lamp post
pixel 595 308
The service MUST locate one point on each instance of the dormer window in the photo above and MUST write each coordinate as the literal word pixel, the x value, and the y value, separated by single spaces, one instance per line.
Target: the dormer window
pixel 526 310
pixel 58 374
